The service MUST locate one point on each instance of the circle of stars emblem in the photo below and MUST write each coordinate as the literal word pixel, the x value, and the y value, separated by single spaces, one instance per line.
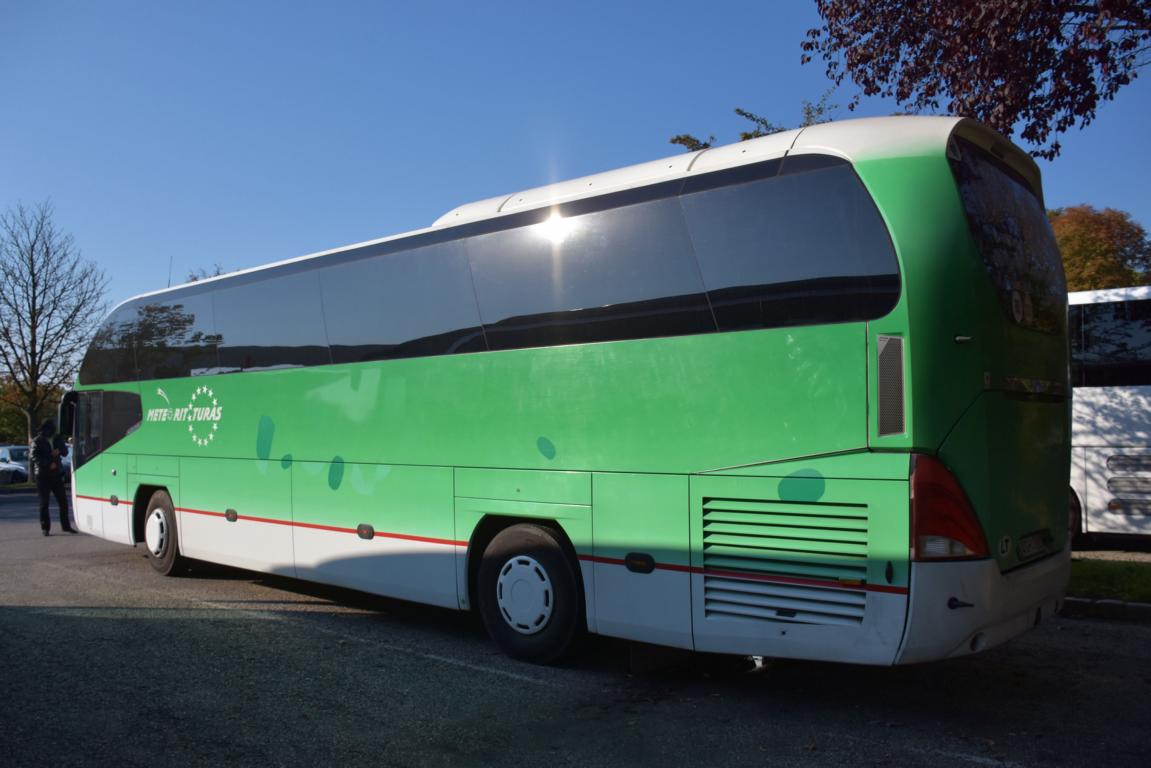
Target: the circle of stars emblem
pixel 203 397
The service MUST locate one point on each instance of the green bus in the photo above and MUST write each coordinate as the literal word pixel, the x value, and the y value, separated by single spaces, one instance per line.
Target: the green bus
pixel 804 396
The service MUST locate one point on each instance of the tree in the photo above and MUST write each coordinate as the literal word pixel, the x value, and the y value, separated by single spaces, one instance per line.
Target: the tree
pixel 813 114
pixel 50 302
pixel 203 273
pixel 13 424
pixel 1046 64
pixel 1101 249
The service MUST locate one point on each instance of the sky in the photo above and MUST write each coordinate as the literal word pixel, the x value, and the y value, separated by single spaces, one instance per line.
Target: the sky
pixel 174 136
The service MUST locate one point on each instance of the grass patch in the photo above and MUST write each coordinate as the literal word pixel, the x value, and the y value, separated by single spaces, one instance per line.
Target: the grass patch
pixel 1111 579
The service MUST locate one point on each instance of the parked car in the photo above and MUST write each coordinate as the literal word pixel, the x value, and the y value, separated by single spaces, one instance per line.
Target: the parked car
pixel 11 472
pixel 15 454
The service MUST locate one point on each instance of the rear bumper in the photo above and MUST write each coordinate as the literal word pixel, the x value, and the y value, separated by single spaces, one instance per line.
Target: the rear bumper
pixel 958 608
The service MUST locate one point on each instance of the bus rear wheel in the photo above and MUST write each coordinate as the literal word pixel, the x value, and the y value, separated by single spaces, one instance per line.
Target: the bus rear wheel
pixel 528 595
pixel 160 539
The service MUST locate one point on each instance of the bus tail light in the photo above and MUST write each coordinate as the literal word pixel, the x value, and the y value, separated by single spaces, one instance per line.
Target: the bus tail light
pixel 943 524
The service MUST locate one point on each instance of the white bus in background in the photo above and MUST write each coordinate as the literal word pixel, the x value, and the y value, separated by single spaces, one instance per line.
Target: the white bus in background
pixel 1110 334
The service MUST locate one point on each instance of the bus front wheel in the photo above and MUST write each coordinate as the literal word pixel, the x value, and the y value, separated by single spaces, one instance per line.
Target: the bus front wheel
pixel 160 535
pixel 528 595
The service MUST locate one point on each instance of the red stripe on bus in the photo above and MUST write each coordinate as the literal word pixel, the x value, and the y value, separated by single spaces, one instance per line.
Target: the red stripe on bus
pixel 200 512
pixel 615 561
pixel 332 528
pixel 758 576
pixel 586 558
pixel 406 537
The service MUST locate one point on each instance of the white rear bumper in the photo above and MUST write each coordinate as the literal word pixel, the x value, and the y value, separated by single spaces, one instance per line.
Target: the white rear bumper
pixel 957 608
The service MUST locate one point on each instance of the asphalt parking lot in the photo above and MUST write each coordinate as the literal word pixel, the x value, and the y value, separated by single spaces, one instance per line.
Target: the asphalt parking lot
pixel 104 663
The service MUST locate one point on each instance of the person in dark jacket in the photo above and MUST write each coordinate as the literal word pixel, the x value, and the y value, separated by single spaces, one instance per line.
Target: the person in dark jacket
pixel 47 450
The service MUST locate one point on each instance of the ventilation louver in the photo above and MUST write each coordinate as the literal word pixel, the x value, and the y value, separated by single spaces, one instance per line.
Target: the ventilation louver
pixel 781 561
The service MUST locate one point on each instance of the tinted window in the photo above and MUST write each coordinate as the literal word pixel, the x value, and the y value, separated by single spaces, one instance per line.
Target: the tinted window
pixel 793 249
pixel 274 322
pixel 175 337
pixel 109 357
pixel 102 420
pixel 1014 238
pixel 1111 344
pixel 86 441
pixel 621 273
pixel 406 304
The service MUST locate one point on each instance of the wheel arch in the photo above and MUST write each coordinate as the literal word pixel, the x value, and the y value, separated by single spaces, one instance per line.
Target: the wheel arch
pixel 490 526
pixel 140 508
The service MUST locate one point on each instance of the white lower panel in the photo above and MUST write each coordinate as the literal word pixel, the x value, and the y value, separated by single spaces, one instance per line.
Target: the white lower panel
pixel 959 608
pixel 257 546
pixel 118 522
pixel 874 640
pixel 89 515
pixel 650 607
pixel 410 570
pixel 102 518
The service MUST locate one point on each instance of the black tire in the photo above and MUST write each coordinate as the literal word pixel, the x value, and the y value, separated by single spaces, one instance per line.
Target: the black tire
pixel 529 559
pixel 160 537
pixel 1075 520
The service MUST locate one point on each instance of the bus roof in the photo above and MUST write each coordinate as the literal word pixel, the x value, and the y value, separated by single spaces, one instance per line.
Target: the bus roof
pixel 1106 295
pixel 853 140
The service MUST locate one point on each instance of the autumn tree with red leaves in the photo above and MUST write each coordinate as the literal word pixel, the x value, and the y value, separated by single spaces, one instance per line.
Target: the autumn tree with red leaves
pixel 1045 65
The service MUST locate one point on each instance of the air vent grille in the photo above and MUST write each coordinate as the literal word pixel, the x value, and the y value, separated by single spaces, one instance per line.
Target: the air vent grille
pixel 781 561
pixel 890 384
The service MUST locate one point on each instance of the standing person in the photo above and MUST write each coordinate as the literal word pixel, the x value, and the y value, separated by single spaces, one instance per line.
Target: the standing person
pixel 47 450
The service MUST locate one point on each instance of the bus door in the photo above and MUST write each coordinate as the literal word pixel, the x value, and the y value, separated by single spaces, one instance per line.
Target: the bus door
pixel 101 498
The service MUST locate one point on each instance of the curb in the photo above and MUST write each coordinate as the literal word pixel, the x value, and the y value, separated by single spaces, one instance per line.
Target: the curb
pixel 1088 608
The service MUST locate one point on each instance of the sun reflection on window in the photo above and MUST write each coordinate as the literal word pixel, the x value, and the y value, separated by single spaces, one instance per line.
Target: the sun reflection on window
pixel 556 229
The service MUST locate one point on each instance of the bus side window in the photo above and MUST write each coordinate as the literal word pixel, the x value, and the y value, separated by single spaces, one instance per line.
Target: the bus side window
pixel 408 304
pixel 620 273
pixel 89 416
pixel 1115 346
pixel 102 420
pixel 271 323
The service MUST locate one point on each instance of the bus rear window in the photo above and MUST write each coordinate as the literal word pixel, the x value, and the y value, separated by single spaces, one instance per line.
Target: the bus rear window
pixel 1014 238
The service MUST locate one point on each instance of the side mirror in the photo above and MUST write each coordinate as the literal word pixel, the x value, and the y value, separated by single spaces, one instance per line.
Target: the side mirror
pixel 66 417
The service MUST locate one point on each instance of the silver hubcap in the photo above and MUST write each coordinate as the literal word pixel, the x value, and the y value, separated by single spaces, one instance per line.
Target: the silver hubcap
pixel 525 595
pixel 156 532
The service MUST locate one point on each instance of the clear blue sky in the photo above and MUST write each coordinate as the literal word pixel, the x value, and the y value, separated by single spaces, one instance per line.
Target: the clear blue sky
pixel 240 133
